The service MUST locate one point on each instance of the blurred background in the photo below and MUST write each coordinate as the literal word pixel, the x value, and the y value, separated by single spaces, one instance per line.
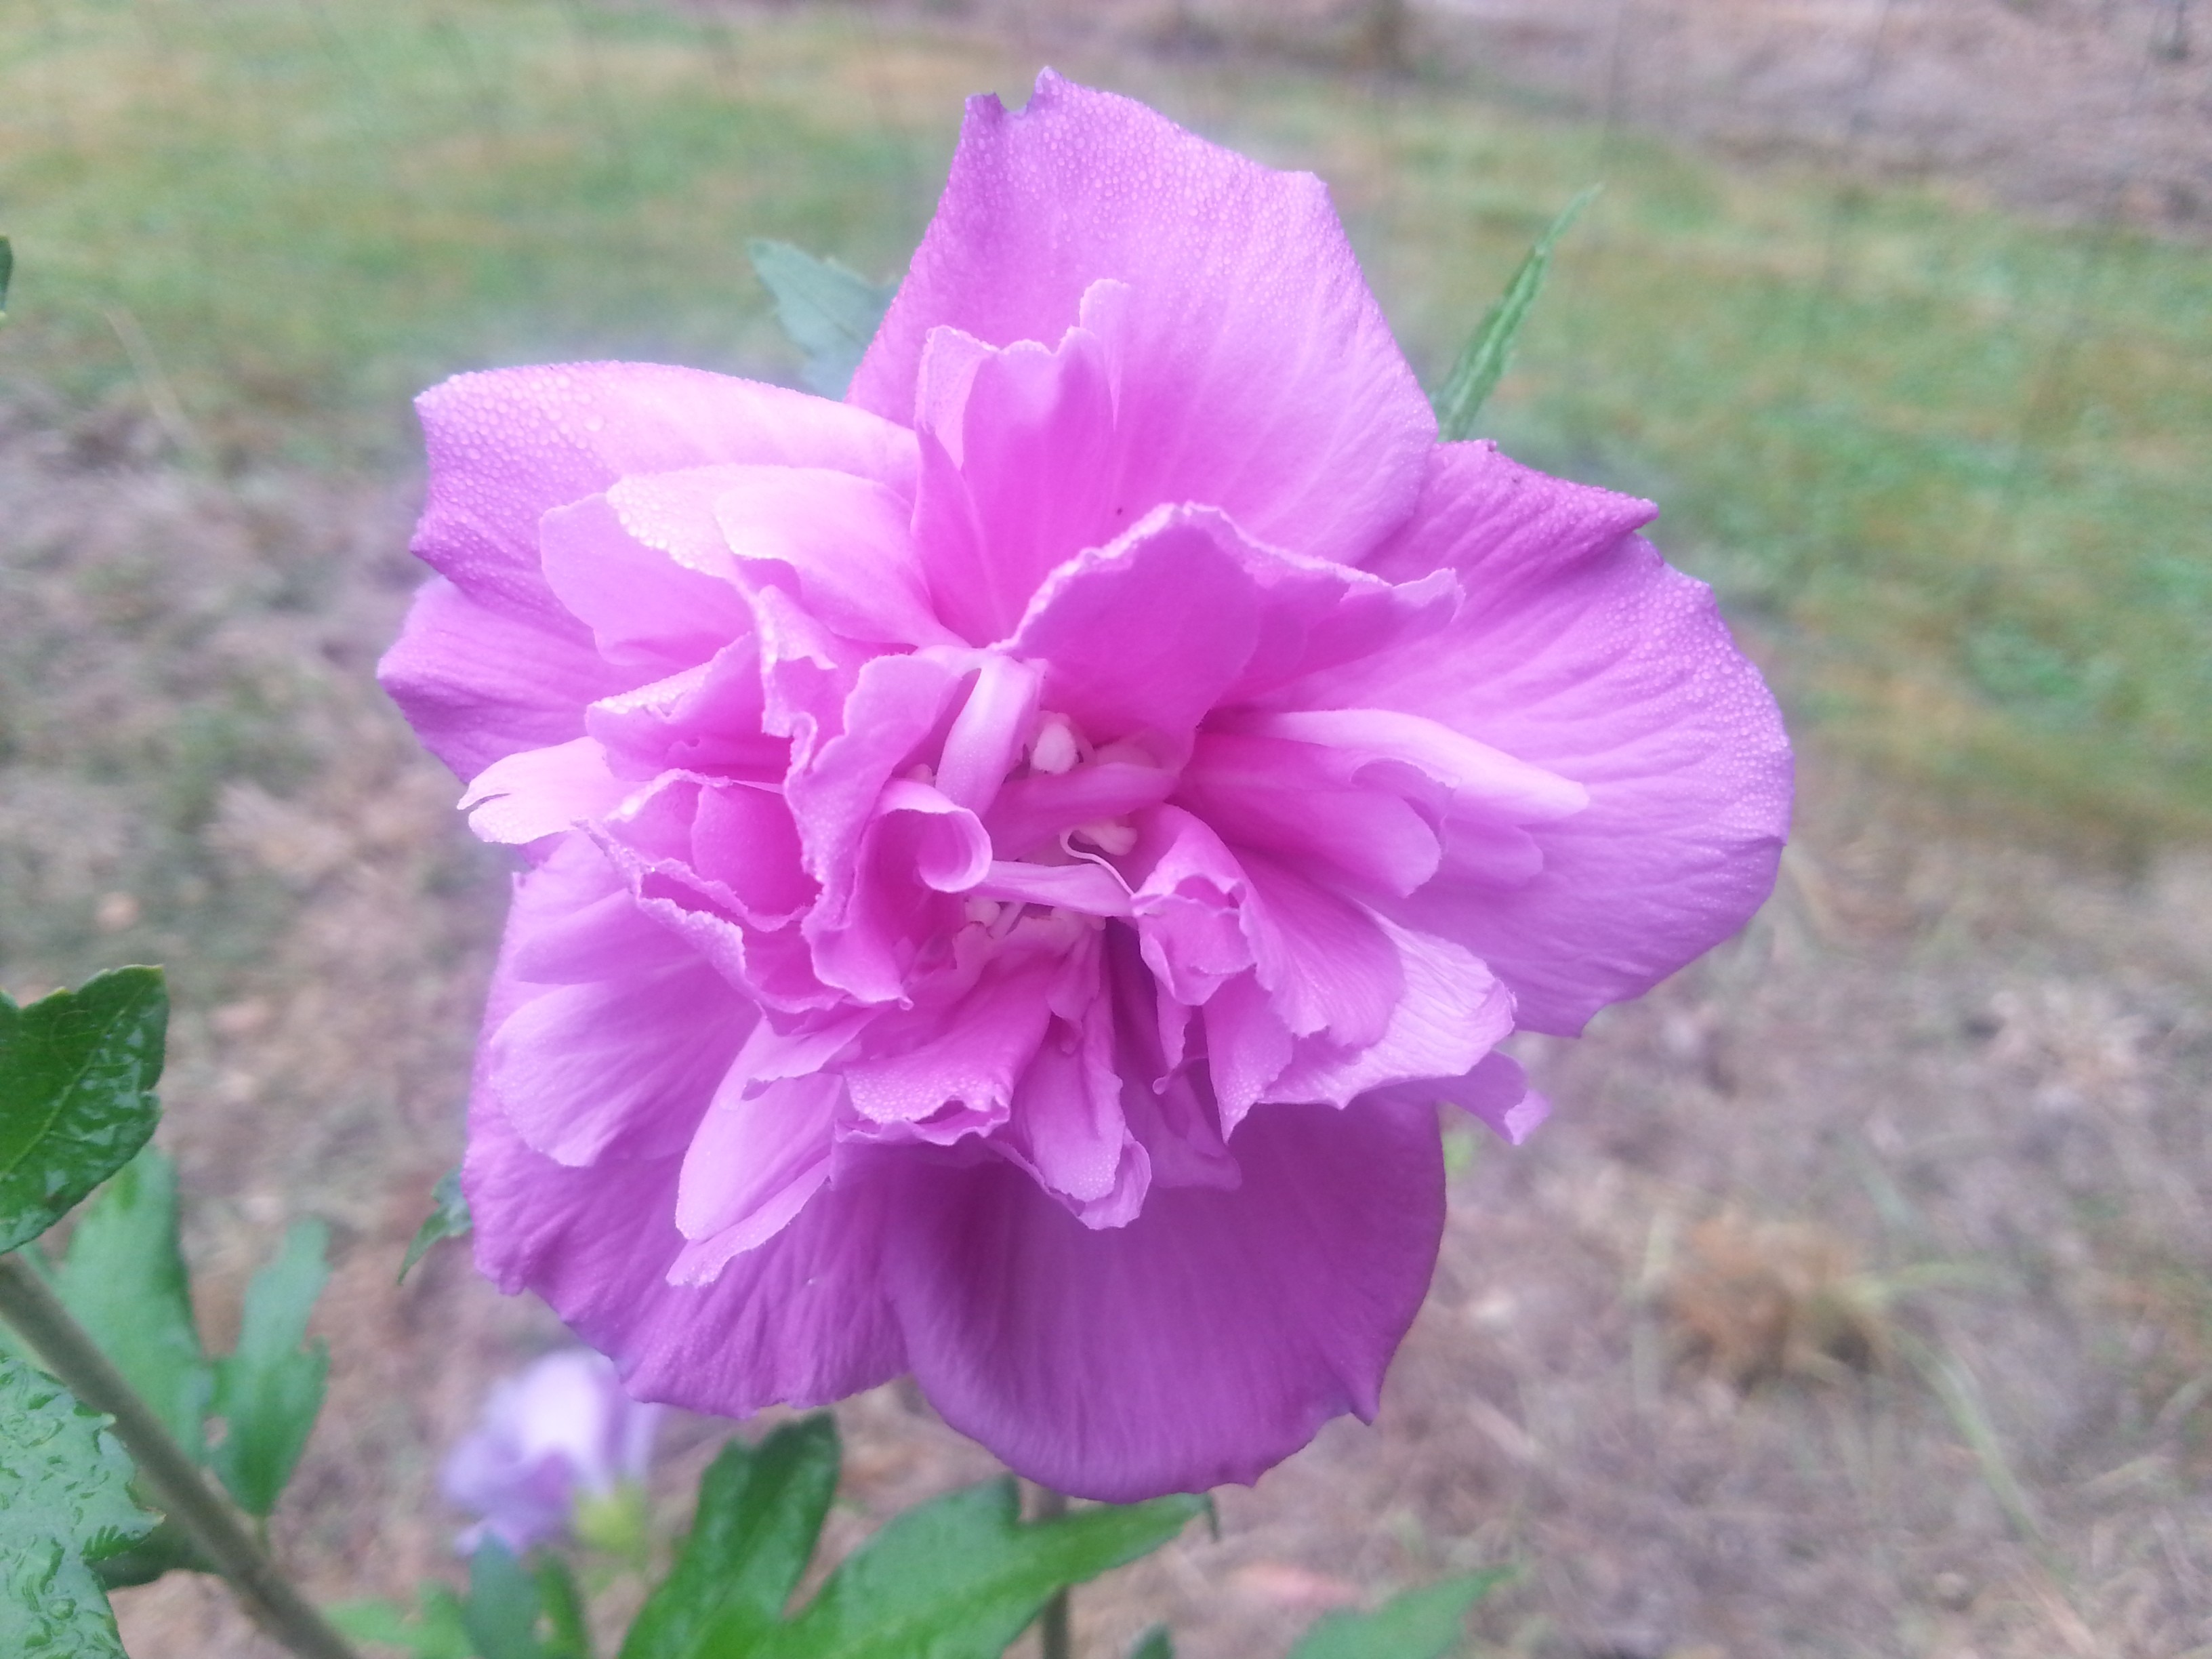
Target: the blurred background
pixel 1858 1298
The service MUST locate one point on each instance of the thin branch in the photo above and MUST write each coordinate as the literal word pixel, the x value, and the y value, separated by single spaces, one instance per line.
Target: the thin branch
pixel 171 1477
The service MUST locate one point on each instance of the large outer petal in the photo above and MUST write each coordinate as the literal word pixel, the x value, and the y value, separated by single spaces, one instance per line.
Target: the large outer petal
pixel 799 1320
pixel 1581 651
pixel 1205 1341
pixel 1257 373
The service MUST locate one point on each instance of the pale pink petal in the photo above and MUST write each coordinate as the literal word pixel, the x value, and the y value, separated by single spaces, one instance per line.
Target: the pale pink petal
pixel 987 735
pixel 478 684
pixel 1496 1090
pixel 624 1065
pixel 508 445
pixel 645 609
pixel 1207 1339
pixel 1452 1013
pixel 1600 665
pixel 1257 372
pixel 542 792
pixel 1018 476
pixel 1291 800
pixel 1142 638
pixel 708 718
pixel 800 1321
pixel 754 1161
pixel 1325 961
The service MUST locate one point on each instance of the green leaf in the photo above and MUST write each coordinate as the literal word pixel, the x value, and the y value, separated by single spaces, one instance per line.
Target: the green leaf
pixel 563 1605
pixel 167 1548
pixel 64 1503
pixel 503 1604
pixel 830 312
pixel 960 1578
pixel 77 1071
pixel 759 1511
pixel 1419 1624
pixel 1154 1643
pixel 448 1218
pixel 270 1390
pixel 125 1281
pixel 437 1631
pixel 1482 364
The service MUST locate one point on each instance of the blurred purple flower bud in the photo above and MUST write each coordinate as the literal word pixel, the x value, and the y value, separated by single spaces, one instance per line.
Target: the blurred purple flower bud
pixel 559 1430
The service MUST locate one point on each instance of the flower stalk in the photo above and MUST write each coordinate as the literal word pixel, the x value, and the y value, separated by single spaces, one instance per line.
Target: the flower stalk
pixel 1054 1640
pixel 171 1477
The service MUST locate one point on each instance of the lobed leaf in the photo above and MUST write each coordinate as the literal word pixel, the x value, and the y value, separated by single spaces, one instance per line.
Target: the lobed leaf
pixel 271 1389
pixel 830 311
pixel 65 1504
pixel 1481 365
pixel 449 1218
pixel 77 1071
pixel 125 1281
pixel 1419 1624
pixel 759 1511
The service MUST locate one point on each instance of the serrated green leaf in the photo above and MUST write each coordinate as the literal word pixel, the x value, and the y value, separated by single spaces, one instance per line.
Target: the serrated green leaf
pixel 270 1389
pixel 167 1548
pixel 1482 364
pixel 125 1281
pixel 1154 1643
pixel 65 1504
pixel 437 1631
pixel 960 1578
pixel 760 1512
pixel 449 1218
pixel 77 1071
pixel 1419 1623
pixel 503 1605
pixel 830 311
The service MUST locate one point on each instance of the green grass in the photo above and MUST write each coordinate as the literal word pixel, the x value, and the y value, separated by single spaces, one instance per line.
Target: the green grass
pixel 1952 468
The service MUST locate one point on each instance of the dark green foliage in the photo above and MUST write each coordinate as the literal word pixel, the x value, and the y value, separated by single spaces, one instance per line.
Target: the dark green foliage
pixel 759 1511
pixel 77 1071
pixel 270 1390
pixel 65 1504
pixel 957 1578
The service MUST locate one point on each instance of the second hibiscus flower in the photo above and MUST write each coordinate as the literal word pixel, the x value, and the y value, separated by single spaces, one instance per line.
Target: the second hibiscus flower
pixel 1018 855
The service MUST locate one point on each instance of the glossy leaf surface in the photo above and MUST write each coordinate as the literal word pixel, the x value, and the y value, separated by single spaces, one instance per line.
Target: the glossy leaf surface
pixel 65 1504
pixel 77 1071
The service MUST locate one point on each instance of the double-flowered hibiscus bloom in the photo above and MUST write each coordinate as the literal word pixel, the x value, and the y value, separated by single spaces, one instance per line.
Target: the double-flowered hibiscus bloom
pixel 1018 856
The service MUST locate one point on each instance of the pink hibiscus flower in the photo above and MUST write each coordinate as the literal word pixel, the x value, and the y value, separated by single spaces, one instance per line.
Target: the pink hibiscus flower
pixel 1019 854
